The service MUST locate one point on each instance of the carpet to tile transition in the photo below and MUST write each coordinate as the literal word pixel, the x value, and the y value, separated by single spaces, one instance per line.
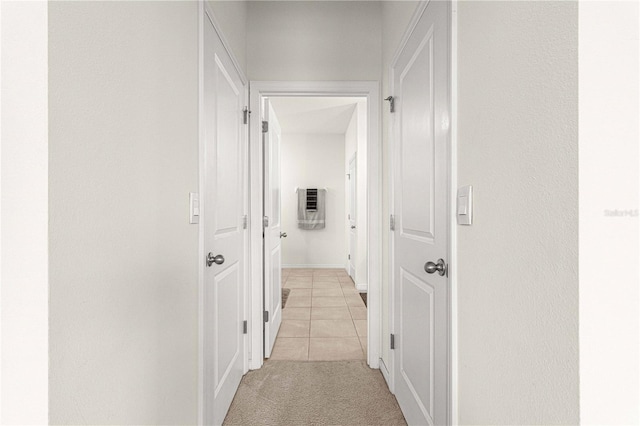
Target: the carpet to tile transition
pixel 314 393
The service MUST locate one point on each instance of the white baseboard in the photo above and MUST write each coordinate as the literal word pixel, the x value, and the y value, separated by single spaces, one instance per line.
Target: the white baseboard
pixel 334 266
pixel 362 287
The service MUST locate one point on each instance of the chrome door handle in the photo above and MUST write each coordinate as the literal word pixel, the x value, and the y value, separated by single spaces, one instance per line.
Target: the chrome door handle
pixel 431 267
pixel 353 227
pixel 211 259
pixel 283 235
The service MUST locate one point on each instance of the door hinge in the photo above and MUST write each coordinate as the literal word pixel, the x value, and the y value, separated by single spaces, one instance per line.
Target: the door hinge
pixel 393 341
pixel 265 316
pixel 265 221
pixel 245 115
pixel 392 103
pixel 244 327
pixel 265 126
pixel 392 222
pixel 245 222
pixel 349 256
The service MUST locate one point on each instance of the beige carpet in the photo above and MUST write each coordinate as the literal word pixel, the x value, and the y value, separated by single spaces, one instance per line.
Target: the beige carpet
pixel 314 393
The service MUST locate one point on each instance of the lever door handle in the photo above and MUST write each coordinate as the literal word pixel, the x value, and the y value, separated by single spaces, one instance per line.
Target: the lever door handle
pixel 353 227
pixel 211 259
pixel 283 235
pixel 440 267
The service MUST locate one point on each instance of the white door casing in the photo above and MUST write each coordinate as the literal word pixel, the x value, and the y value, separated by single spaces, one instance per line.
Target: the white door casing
pixel 222 208
pixel 420 76
pixel 272 230
pixel 352 218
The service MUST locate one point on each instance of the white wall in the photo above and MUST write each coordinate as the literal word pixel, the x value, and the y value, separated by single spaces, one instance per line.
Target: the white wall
pixel 24 306
pixel 123 80
pixel 313 161
pixel 356 143
pixel 231 16
pixel 313 40
pixel 518 262
pixel 609 114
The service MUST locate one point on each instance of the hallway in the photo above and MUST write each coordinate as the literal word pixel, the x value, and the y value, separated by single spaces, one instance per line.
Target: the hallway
pixel 324 318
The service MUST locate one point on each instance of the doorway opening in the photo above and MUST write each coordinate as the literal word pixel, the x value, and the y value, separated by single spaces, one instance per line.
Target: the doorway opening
pixel 314 193
pixel 315 200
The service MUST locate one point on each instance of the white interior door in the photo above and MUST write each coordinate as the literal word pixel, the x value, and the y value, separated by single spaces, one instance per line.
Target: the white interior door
pixel 421 140
pixel 272 228
pixel 352 217
pixel 223 207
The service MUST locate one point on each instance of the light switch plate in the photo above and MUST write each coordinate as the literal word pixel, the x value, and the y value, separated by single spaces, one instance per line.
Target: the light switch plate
pixel 194 207
pixel 464 205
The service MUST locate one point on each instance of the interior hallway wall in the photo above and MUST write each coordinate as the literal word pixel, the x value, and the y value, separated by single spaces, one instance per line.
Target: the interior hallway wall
pixel 123 157
pixel 518 262
pixel 356 143
pixel 313 161
pixel 314 40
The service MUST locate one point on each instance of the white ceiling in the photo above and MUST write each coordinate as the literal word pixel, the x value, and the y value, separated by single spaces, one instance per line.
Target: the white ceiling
pixel 314 114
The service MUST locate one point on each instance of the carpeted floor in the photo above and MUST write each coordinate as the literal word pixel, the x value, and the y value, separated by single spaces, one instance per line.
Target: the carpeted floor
pixel 314 393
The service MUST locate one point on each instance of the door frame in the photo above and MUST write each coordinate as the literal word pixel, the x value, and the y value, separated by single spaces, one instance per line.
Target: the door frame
pixel 371 91
pixel 452 190
pixel 353 159
pixel 205 12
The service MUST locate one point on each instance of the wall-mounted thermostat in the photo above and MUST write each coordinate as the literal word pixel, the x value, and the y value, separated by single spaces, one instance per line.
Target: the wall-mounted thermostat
pixel 464 205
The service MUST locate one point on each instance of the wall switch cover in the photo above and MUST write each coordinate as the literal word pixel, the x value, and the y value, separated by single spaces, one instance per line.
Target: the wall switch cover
pixel 194 207
pixel 464 205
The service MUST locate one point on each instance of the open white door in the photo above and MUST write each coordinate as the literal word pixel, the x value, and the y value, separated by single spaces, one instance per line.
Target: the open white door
pixel 353 229
pixel 272 228
pixel 222 211
pixel 421 169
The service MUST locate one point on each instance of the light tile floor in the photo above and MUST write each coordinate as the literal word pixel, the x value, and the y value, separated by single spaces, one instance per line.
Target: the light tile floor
pixel 324 319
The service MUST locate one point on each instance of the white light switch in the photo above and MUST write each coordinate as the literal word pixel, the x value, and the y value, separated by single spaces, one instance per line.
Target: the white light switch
pixel 194 207
pixel 464 205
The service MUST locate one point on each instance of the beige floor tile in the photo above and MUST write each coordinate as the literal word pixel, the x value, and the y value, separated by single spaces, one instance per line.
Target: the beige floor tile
pixel 326 285
pixel 363 343
pixel 344 279
pixel 298 302
pixel 300 292
pixel 350 291
pixel 330 313
pixel 299 279
pixel 347 285
pixel 290 313
pixel 331 272
pixel 361 327
pixel 300 273
pixel 294 328
pixel 291 348
pixel 355 301
pixel 332 328
pixel 327 292
pixel 326 302
pixel 325 279
pixel 335 349
pixel 295 284
pixel 357 313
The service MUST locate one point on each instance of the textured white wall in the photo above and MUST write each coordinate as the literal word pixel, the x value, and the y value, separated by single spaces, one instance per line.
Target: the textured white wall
pixel 313 40
pixel 24 304
pixel 231 15
pixel 313 161
pixel 356 142
pixel 518 262
pixel 123 80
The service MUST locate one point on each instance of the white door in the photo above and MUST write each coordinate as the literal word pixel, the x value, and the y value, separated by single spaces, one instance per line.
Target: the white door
pixel 222 209
pixel 353 229
pixel 421 141
pixel 272 229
